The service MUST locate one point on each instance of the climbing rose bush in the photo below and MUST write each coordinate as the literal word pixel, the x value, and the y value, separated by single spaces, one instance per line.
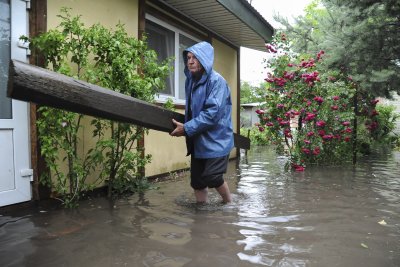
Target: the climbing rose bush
pixel 309 112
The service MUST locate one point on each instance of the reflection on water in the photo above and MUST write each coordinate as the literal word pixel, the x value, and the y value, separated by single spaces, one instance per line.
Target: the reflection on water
pixel 270 228
pixel 325 216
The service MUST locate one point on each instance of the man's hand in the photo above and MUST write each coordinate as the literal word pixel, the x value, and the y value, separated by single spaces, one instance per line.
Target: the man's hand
pixel 179 130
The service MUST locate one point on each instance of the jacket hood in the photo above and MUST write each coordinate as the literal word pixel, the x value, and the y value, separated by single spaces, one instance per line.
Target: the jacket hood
pixel 204 52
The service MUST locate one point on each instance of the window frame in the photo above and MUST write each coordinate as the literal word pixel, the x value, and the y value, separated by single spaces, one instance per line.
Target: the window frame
pixel 177 67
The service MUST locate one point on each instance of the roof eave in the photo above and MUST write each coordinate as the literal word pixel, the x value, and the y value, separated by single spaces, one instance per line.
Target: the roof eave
pixel 250 16
pixel 234 21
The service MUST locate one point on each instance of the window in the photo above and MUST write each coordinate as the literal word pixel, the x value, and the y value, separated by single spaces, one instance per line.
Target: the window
pixel 169 41
pixel 5 55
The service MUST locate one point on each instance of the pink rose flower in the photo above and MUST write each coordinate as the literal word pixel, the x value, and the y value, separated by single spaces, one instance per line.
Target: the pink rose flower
pixel 321 123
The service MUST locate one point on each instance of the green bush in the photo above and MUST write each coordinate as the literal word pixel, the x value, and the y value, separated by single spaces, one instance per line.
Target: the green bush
pixel 111 59
pixel 317 116
pixel 256 137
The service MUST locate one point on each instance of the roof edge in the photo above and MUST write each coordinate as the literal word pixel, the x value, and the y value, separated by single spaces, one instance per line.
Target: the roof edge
pixel 250 16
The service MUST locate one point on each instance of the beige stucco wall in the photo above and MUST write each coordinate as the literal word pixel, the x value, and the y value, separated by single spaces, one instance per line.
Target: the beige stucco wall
pixel 92 12
pixel 168 153
pixel 226 63
pixel 107 13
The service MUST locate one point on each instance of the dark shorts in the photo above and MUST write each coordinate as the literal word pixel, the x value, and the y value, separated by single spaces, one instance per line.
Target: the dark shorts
pixel 208 172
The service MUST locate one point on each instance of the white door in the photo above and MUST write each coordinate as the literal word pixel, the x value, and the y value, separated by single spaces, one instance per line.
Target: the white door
pixel 15 171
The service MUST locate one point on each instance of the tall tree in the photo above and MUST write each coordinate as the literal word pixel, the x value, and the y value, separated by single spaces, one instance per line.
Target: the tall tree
pixel 251 94
pixel 362 38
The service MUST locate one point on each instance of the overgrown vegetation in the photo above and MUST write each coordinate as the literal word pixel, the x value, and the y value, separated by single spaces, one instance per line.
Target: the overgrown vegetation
pixel 257 138
pixel 322 108
pixel 250 93
pixel 362 37
pixel 316 115
pixel 111 59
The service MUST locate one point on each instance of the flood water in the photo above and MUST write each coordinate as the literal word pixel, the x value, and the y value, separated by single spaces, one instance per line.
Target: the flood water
pixel 325 216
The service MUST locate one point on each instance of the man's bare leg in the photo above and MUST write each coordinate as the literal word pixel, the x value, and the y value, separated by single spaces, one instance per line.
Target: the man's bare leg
pixel 201 195
pixel 223 190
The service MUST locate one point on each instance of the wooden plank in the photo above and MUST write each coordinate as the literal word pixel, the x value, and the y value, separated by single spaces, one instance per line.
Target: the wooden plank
pixel 41 86
pixel 34 84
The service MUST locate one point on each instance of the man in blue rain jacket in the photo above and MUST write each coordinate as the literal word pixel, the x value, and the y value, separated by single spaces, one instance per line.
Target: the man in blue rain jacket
pixel 208 123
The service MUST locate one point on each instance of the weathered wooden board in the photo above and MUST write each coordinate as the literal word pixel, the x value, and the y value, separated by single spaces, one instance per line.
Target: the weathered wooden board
pixel 34 84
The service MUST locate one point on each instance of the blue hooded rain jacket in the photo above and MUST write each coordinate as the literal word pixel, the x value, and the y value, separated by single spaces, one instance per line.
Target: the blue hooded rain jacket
pixel 209 130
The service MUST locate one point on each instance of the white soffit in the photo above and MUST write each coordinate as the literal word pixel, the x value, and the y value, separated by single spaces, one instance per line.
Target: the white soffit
pixel 234 20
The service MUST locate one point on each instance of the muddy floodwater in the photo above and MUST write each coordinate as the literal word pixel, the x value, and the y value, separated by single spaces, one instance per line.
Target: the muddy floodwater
pixel 325 216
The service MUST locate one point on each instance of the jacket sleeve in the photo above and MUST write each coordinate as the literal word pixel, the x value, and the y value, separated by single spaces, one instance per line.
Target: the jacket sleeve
pixel 212 111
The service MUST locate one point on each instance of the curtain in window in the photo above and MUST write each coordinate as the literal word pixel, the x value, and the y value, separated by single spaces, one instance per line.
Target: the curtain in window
pixel 162 41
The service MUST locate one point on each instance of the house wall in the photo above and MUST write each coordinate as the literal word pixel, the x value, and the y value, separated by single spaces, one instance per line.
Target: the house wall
pixel 104 14
pixel 226 63
pixel 97 11
pixel 168 153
